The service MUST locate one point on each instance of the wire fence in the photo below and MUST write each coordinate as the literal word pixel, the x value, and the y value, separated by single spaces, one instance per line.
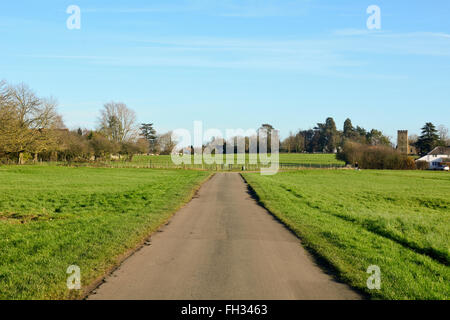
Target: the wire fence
pixel 170 165
pixel 204 166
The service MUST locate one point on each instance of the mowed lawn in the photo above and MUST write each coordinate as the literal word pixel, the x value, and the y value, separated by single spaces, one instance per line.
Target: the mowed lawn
pixel 54 217
pixel 397 220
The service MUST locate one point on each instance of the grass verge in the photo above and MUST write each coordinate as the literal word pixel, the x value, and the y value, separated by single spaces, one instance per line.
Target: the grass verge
pixel 399 221
pixel 54 217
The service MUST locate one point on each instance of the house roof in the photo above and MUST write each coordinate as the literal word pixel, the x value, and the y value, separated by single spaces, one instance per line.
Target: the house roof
pixel 440 150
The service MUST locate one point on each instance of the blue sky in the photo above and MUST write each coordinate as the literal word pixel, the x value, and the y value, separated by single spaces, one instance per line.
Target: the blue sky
pixel 235 64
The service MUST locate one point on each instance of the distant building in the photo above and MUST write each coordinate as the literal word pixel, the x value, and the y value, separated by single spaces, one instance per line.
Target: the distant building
pixel 412 150
pixel 438 158
pixel 403 143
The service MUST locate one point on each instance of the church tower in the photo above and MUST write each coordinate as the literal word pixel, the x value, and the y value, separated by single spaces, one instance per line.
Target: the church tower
pixel 402 142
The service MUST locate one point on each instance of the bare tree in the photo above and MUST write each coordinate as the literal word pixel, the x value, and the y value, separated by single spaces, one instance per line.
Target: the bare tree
pixel 443 134
pixel 4 94
pixel 8 127
pixel 28 106
pixel 166 143
pixel 47 136
pixel 289 143
pixel 26 121
pixel 118 122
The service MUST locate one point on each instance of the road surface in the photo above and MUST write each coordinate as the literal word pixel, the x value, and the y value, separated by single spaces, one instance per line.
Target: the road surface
pixel 222 245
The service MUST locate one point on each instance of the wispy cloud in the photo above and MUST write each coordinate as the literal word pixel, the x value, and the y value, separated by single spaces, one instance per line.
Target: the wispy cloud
pixel 221 53
pixel 348 53
pixel 351 32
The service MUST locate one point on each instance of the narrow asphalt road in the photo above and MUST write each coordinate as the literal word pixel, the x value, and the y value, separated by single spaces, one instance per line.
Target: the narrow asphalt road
pixel 222 245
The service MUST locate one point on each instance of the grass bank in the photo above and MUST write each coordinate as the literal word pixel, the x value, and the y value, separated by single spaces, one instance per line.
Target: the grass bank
pixel 397 220
pixel 54 217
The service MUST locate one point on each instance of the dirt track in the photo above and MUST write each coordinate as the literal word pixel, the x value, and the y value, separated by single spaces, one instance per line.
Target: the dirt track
pixel 222 245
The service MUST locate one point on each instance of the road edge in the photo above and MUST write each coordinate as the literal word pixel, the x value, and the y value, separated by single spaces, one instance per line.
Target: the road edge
pixel 321 261
pixel 120 259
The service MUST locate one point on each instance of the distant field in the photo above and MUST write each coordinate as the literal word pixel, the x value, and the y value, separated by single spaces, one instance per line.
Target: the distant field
pixel 313 160
pixel 53 217
pixel 399 221
pixel 306 158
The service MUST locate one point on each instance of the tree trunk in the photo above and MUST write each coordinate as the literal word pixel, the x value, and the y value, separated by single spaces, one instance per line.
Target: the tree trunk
pixel 35 160
pixel 54 156
pixel 21 158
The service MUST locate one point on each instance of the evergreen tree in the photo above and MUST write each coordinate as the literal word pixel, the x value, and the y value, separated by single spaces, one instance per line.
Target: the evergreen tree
pixel 428 140
pixel 331 135
pixel 327 136
pixel 149 133
pixel 348 129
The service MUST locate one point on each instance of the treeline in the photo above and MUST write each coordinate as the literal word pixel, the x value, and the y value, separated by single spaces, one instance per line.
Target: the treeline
pixel 369 156
pixel 369 149
pixel 326 138
pixel 32 130
pixel 354 145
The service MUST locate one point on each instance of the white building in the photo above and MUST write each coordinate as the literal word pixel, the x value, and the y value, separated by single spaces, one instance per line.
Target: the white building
pixel 438 158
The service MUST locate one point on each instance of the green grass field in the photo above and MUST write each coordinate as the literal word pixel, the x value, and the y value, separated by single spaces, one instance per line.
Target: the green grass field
pixel 399 221
pixel 303 158
pixel 294 159
pixel 53 217
pixel 286 161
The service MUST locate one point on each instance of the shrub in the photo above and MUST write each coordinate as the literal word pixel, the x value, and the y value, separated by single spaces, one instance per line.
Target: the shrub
pixel 375 157
pixel 422 165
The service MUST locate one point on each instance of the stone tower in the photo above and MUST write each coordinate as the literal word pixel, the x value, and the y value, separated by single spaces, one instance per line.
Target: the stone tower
pixel 402 142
